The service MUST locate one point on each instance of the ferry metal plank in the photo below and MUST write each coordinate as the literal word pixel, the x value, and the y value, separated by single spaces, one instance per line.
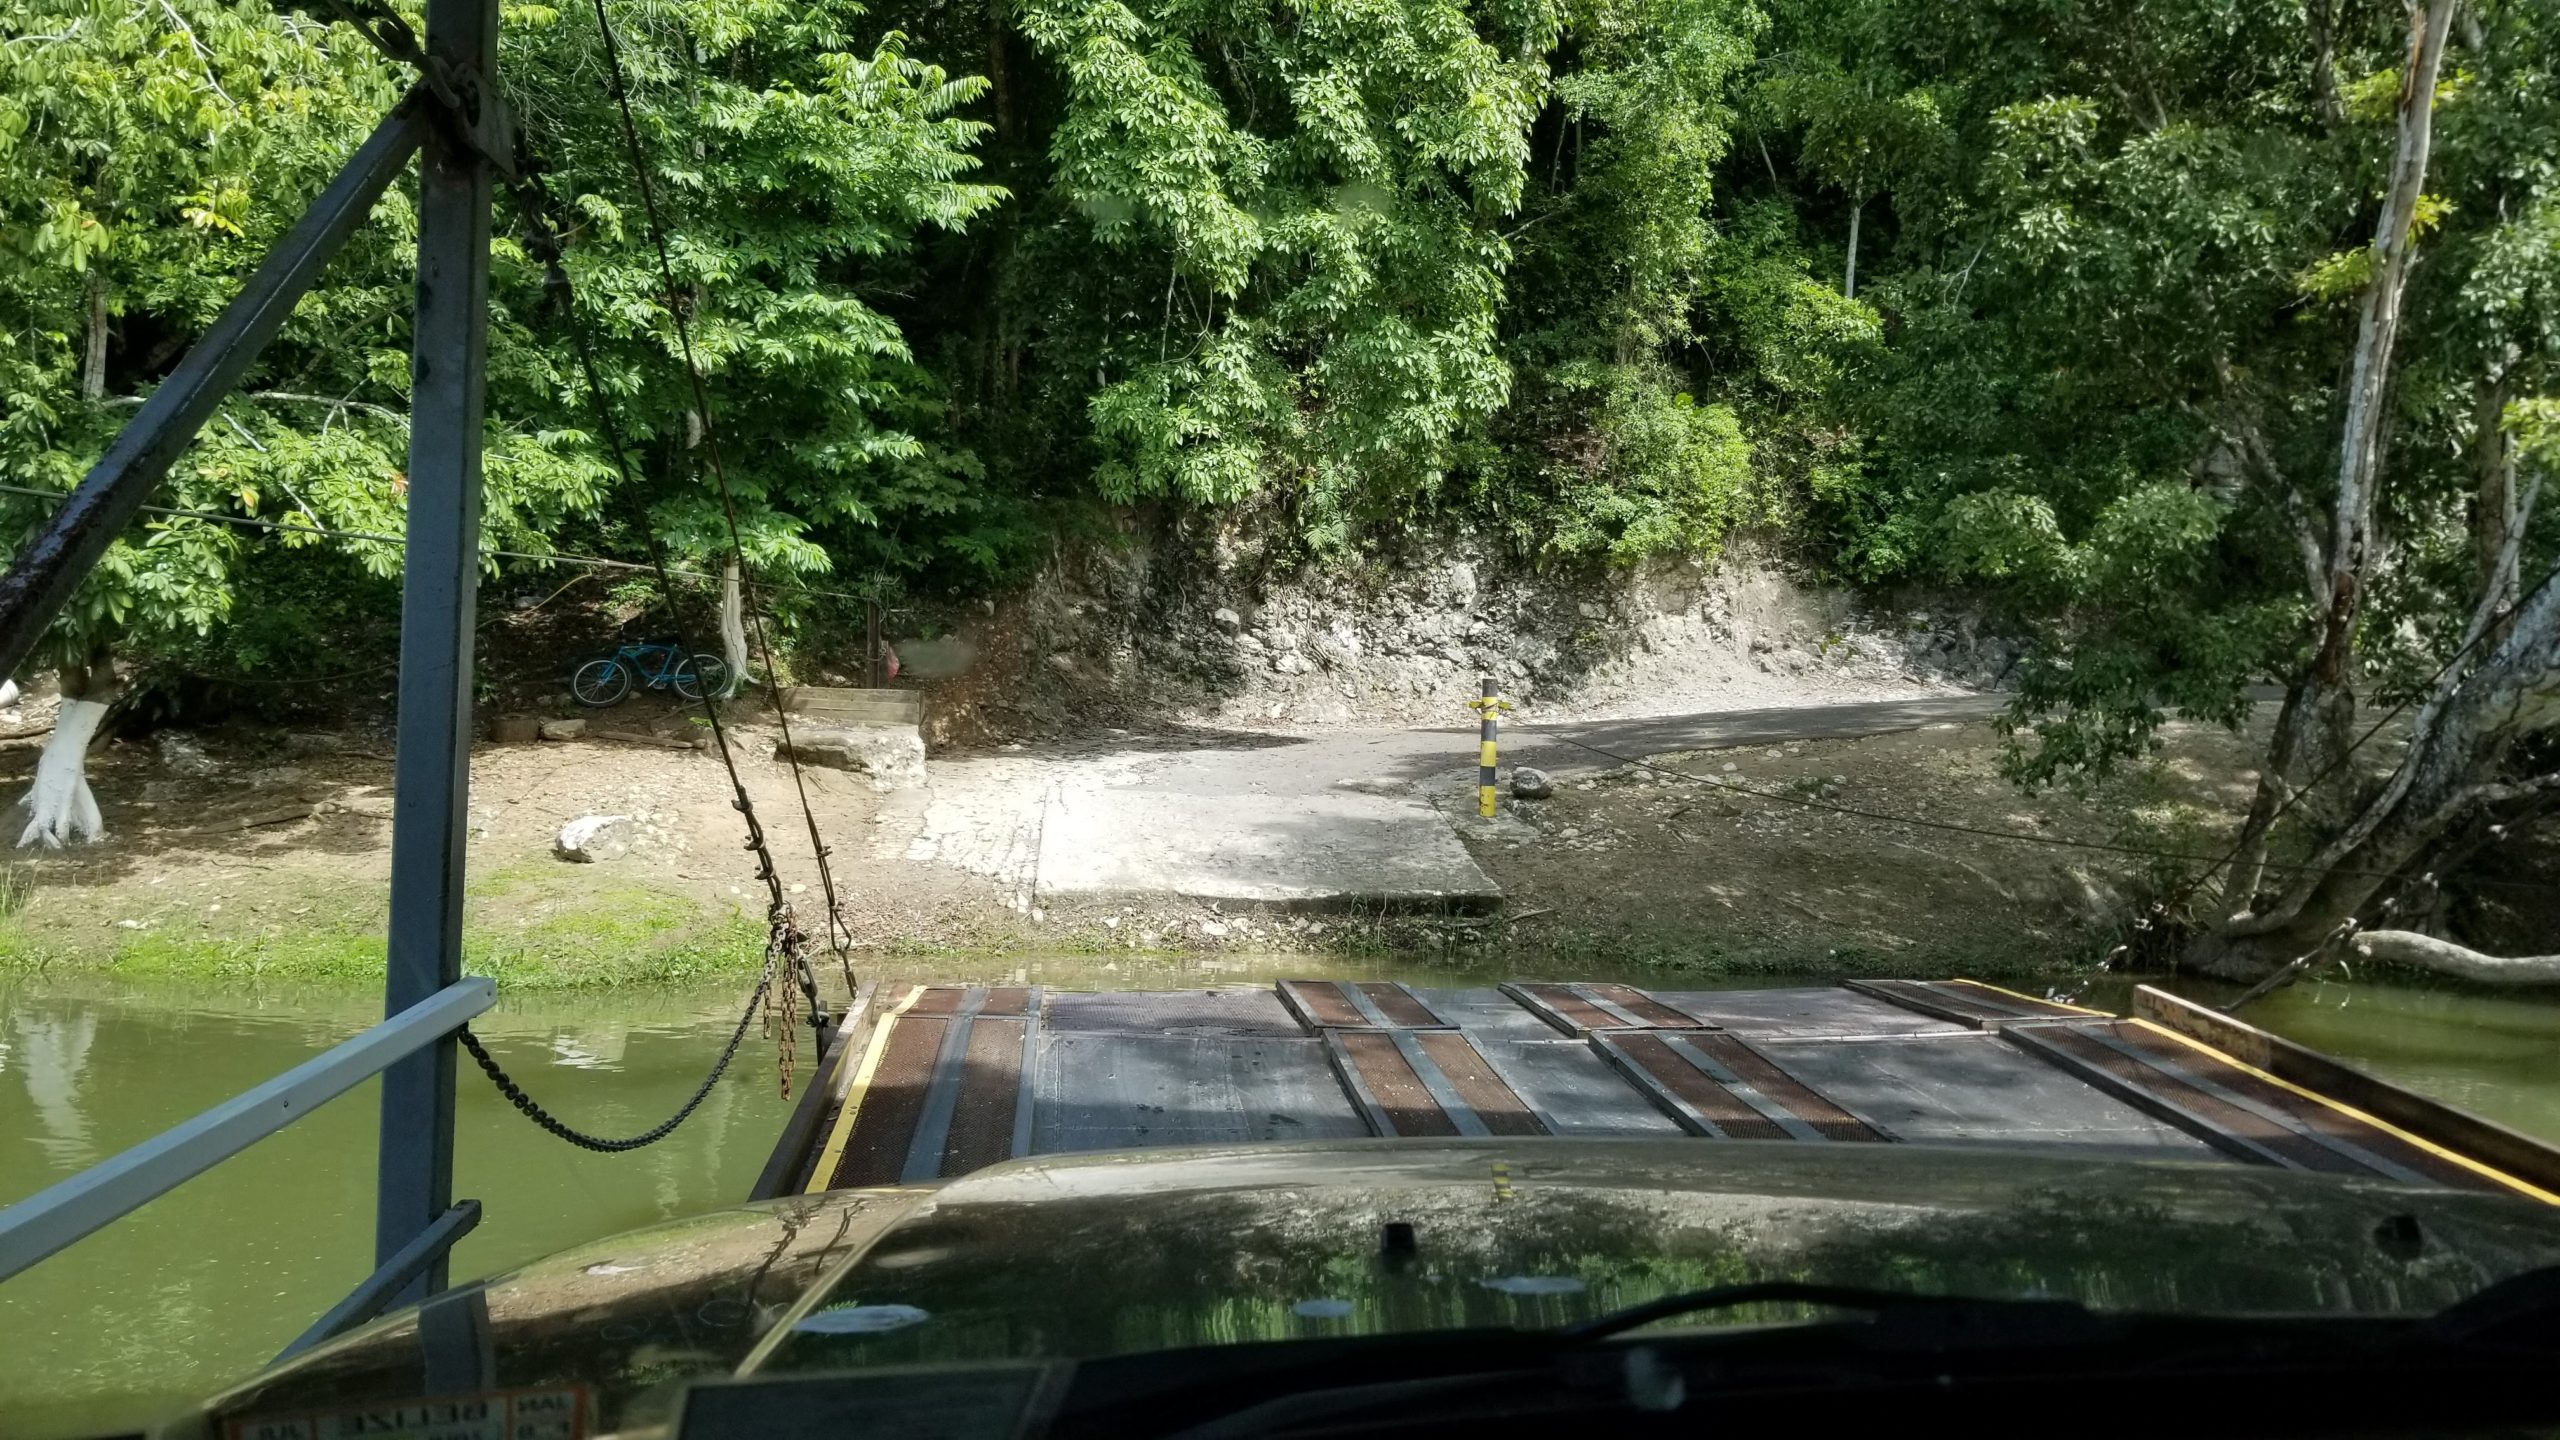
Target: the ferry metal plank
pixel 2058 1049
pixel 1770 1110
pixel 1969 1085
pixel 1486 1013
pixel 2197 1069
pixel 1588 995
pixel 1558 1005
pixel 1443 1093
pixel 942 1092
pixel 1238 1010
pixel 1026 1084
pixel 1688 1116
pixel 1110 1091
pixel 1827 1012
pixel 1572 1090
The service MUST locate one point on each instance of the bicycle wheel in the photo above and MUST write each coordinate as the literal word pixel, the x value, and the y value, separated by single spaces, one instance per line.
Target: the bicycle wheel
pixel 599 683
pixel 701 674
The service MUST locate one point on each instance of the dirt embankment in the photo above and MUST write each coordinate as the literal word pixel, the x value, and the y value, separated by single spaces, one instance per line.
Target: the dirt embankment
pixel 1198 625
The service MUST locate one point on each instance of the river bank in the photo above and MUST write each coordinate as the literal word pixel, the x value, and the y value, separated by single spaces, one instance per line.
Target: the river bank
pixel 1734 860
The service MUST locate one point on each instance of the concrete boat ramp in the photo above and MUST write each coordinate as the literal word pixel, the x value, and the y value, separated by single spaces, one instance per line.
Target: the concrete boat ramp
pixel 938 1081
pixel 1349 820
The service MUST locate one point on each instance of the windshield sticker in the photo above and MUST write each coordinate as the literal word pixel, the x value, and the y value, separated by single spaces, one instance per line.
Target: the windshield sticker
pixel 860 1319
pixel 1321 1309
pixel 1534 1285
pixel 551 1412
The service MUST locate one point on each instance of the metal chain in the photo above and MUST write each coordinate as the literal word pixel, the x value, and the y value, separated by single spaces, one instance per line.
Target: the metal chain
pixel 533 1111
pixel 784 944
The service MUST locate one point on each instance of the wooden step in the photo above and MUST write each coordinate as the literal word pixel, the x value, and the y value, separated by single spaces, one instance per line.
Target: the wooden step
pixel 1427 1082
pixel 2237 1109
pixel 945 1090
pixel 855 707
pixel 1323 1005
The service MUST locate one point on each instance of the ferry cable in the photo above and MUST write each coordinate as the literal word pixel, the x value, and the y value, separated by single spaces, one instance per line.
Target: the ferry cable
pixel 621 89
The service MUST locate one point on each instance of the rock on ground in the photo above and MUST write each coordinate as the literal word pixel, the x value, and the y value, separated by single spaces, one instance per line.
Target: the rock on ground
pixel 590 838
pixel 892 755
pixel 1530 783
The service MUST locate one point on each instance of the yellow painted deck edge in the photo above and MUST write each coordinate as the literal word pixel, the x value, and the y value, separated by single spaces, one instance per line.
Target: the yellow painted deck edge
pixel 2521 1187
pixel 2018 995
pixel 833 1155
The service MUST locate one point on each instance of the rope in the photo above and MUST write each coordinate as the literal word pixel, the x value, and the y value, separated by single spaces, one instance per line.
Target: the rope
pixel 532 1109
pixel 784 944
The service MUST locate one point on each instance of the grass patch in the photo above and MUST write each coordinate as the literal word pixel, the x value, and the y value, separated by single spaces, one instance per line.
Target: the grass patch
pixel 527 933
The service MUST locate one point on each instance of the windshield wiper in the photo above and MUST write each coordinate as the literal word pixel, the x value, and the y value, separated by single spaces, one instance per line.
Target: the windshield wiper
pixel 1941 1319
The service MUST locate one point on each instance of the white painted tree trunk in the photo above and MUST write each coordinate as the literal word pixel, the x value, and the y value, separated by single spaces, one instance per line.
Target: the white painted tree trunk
pixel 733 625
pixel 59 804
pixel 8 693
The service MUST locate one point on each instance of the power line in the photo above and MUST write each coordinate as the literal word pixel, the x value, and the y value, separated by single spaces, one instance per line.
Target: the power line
pixel 374 538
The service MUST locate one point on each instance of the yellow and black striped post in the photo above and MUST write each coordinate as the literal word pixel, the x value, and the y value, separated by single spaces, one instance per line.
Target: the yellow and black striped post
pixel 1488 709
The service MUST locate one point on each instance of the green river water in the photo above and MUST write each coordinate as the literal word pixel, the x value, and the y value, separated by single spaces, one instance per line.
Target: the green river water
pixel 207 1282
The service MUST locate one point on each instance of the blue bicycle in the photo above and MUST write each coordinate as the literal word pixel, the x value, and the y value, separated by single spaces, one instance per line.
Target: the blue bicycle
pixel 608 681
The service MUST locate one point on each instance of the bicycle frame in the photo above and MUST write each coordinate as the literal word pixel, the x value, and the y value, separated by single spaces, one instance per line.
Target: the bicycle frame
pixel 638 657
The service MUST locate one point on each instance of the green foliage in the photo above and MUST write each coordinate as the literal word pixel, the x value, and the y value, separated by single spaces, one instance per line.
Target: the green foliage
pixel 1573 270
pixel 148 156
pixel 791 159
pixel 1673 476
pixel 1322 206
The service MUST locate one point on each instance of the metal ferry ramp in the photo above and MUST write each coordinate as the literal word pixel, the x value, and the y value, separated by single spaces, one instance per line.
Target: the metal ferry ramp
pixel 948 1079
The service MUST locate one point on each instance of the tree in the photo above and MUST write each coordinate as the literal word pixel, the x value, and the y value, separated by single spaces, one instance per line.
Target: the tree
pixel 789 162
pixel 149 156
pixel 2170 409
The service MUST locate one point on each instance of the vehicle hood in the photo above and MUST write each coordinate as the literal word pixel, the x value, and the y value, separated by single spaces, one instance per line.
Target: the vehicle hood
pixel 1088 1255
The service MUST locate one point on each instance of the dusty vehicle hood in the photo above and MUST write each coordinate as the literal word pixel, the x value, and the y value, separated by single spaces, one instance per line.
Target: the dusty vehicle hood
pixel 1080 1256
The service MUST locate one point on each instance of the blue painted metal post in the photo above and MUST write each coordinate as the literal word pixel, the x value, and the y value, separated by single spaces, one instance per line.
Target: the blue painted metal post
pixel 438 595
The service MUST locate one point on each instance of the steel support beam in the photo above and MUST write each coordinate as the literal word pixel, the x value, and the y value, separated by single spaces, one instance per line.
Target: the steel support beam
pixel 439 591
pixel 373 1296
pixel 55 1217
pixel 52 565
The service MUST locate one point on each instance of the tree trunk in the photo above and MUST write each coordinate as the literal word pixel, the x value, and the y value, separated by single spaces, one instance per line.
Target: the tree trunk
pixel 2407 947
pixel 733 625
pixel 2319 707
pixel 93 365
pixel 2497 516
pixel 59 804
pixel 2458 740
pixel 2324 75
pixel 1000 97
pixel 1857 212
